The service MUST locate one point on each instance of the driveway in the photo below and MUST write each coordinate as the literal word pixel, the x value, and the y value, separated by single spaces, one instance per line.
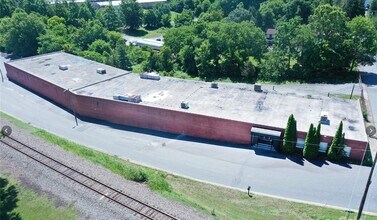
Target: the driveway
pixel 225 164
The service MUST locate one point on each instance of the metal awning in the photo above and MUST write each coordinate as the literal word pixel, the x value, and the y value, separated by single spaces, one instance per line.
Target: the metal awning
pixel 266 132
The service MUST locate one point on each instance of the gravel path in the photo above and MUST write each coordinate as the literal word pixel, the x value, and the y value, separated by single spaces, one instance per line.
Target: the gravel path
pixel 64 191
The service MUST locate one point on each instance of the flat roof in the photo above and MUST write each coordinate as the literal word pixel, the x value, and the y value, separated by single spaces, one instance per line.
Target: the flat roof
pixel 236 101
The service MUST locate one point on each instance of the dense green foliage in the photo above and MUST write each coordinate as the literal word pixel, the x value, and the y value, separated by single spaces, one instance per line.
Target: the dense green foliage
pixel 290 136
pixel 22 33
pixel 336 151
pixel 157 17
pixel 316 40
pixel 330 46
pixel 311 147
pixel 8 200
pixel 216 49
pixel 317 134
pixel 131 13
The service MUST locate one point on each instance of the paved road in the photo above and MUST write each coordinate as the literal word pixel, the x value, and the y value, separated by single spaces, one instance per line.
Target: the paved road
pixel 230 165
pixel 370 80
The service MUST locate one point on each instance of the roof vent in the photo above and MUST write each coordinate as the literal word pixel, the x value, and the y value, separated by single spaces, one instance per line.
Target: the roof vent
pixel 63 67
pixel 214 85
pixel 258 87
pixel 101 71
pixel 128 98
pixel 324 118
pixel 185 105
pixel 152 75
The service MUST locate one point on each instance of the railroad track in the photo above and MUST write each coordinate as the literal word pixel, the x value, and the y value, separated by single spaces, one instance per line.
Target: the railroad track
pixel 144 210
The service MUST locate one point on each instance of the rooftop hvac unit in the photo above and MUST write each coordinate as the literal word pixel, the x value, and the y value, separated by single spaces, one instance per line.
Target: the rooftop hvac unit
pixel 128 98
pixel 101 71
pixel 258 87
pixel 152 75
pixel 63 67
pixel 324 118
pixel 214 85
pixel 185 105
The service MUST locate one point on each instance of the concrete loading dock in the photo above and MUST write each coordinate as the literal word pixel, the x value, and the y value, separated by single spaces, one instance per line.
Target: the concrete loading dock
pixel 226 113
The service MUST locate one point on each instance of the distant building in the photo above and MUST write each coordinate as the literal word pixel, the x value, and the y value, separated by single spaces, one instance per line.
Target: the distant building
pixel 154 44
pixel 101 4
pixel 270 36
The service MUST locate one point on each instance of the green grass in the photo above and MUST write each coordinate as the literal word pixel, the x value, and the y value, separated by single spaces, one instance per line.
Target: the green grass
pixel 33 206
pixel 345 96
pixel 146 32
pixel 232 204
pixel 222 202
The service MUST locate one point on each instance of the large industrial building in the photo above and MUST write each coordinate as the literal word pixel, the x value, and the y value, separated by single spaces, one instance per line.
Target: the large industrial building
pixel 224 111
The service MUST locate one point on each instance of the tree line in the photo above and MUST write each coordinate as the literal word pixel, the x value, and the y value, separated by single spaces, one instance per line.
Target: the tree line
pixel 210 39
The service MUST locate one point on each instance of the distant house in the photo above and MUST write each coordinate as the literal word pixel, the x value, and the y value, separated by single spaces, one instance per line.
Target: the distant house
pixel 143 3
pixel 270 36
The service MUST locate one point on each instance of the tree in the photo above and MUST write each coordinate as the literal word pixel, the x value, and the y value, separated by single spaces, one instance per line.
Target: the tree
pixel 38 6
pixel 86 11
pixel 56 36
pixel 286 39
pixel 121 57
pixel 328 25
pixel 317 134
pixel 185 18
pixel 8 200
pixel 239 14
pixel 336 150
pixel 5 26
pixel 100 46
pixel 91 31
pixel 372 8
pixel 353 8
pixel 211 16
pixel 274 68
pixel 361 43
pixel 132 14
pixel 310 147
pixel 187 59
pixel 7 7
pixel 290 136
pixel 24 29
pixel 110 18
pixel 271 11
pixel 150 19
pixel 301 8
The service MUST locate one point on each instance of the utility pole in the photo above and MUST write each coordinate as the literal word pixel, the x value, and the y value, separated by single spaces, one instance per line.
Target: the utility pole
pixel 352 91
pixel 2 77
pixel 366 189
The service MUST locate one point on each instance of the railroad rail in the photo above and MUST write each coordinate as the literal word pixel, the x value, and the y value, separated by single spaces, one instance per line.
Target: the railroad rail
pixel 144 210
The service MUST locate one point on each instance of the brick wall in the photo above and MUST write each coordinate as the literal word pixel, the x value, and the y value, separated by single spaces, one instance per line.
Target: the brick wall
pixel 166 120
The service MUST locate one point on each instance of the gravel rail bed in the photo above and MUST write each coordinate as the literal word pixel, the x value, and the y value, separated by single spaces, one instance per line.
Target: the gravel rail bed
pixel 89 204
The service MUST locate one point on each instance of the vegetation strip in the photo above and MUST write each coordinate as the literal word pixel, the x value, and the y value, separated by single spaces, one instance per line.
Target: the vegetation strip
pixel 221 202
pixel 30 205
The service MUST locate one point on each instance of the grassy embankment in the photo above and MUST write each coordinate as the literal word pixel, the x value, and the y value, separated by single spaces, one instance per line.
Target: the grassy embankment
pixel 222 202
pixel 34 206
